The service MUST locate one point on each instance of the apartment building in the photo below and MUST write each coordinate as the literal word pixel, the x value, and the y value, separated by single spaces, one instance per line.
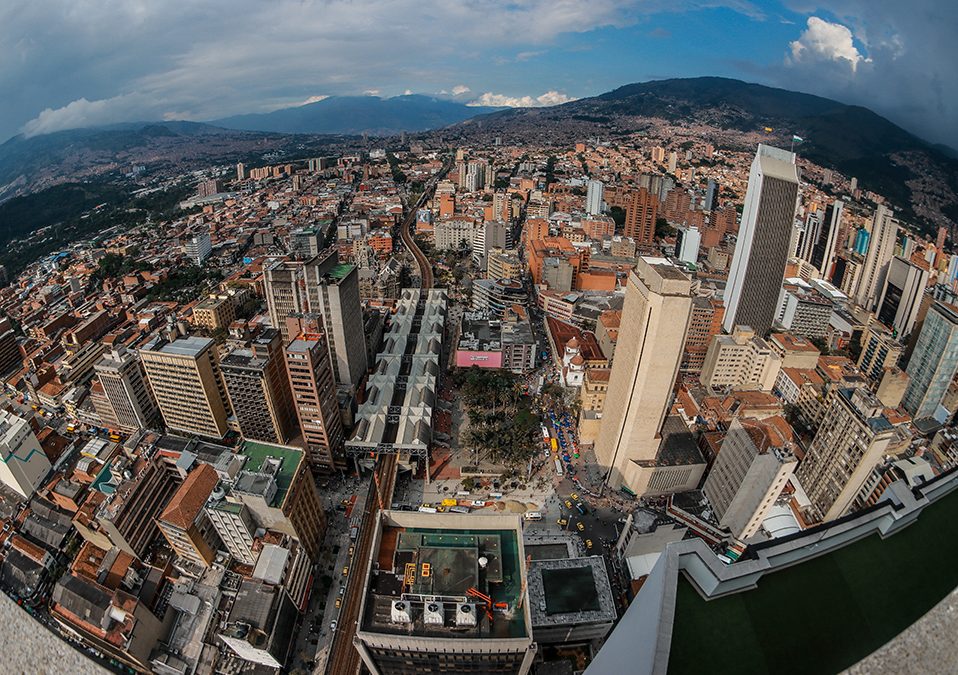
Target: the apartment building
pixel 741 360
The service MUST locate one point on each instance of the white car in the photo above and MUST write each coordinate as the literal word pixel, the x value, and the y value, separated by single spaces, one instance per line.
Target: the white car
pixel 332 626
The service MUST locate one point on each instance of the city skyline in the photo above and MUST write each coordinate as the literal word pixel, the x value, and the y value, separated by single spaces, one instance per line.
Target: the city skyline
pixel 198 65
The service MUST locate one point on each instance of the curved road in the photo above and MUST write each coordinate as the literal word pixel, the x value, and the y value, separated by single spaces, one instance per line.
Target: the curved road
pixel 344 658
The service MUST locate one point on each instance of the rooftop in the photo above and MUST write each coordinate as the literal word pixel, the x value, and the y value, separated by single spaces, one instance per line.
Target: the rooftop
pixel 267 459
pixel 570 591
pixel 430 572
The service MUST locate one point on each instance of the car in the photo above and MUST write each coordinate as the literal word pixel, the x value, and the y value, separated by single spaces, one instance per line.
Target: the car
pixel 351 550
pixel 568 504
pixel 332 626
pixel 580 526
pixel 563 522
pixel 339 603
pixel 346 570
pixel 588 543
pixel 574 496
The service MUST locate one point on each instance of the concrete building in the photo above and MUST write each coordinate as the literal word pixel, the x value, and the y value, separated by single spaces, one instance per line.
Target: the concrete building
pixel 448 595
pixel 333 292
pixel 23 465
pixel 127 393
pixel 186 382
pixel 741 360
pixel 901 294
pixel 236 527
pixel 850 442
pixel 593 197
pixel 216 312
pixel 490 235
pixel 570 599
pixel 880 350
pixel 279 490
pixel 313 385
pixel 454 234
pixel 260 624
pixel 503 264
pixel 687 242
pixel 824 242
pixel 649 349
pixel 592 394
pixel 758 264
pixel 495 296
pixel 495 344
pixel 933 363
pixel 803 310
pixel 794 350
pixel 258 389
pixel 198 248
pixel 749 473
pixel 881 249
pixel 285 293
pixel 705 322
pixel 184 522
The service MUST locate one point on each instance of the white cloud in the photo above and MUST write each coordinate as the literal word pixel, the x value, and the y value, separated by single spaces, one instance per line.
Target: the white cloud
pixel 84 113
pixel 825 41
pixel 525 56
pixel 407 92
pixel 371 92
pixel 503 101
pixel 460 89
pixel 315 99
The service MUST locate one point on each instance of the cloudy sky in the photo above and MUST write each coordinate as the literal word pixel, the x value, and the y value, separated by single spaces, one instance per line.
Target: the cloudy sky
pixel 72 63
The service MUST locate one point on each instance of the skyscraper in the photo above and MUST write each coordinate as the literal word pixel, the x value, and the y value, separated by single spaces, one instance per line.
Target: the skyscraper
pixel 198 247
pixel 850 441
pixel 328 289
pixel 186 382
pixel 901 294
pixel 750 472
pixel 124 385
pixel 258 389
pixel 647 356
pixel 593 198
pixel 934 362
pixel 640 215
pixel 824 245
pixel 758 265
pixel 881 249
pixel 711 193
pixel 314 398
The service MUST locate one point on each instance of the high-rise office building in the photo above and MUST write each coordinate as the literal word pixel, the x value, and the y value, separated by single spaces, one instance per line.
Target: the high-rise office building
pixel 649 349
pixel 711 194
pixel 314 398
pixel 593 197
pixel 934 362
pixel 750 472
pixel 705 322
pixel 330 290
pixel 198 247
pixel 129 396
pixel 333 292
pixel 881 249
pixel 240 171
pixel 258 388
pixel 640 214
pixel 900 298
pixel 186 382
pixel 880 351
pixel 824 245
pixel 687 242
pixel 23 465
pixel 742 360
pixel 758 265
pixel 849 443
pixel 492 234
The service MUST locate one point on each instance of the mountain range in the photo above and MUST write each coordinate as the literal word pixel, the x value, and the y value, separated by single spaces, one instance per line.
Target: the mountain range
pixel 919 178
pixel 357 115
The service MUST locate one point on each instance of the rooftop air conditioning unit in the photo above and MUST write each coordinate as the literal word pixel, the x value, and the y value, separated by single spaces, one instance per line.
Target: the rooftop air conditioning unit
pixel 433 616
pixel 465 614
pixel 400 612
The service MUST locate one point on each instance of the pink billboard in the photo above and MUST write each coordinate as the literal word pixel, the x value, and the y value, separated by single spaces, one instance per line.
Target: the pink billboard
pixel 467 359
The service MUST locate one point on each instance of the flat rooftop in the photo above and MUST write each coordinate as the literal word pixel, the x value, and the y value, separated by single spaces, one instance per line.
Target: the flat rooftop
pixel 432 566
pixel 570 591
pixel 280 461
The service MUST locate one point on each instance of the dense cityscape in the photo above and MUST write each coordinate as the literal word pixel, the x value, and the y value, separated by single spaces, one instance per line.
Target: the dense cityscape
pixel 500 338
pixel 417 403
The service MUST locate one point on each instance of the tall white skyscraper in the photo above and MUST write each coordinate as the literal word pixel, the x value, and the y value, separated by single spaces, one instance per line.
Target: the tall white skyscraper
pixel 593 199
pixel 758 265
pixel 881 249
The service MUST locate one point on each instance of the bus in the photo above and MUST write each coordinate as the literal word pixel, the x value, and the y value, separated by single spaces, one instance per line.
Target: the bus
pixel 629 492
pixel 427 509
pixel 449 502
pixel 558 467
pixel 532 515
pixel 459 509
pixel 555 445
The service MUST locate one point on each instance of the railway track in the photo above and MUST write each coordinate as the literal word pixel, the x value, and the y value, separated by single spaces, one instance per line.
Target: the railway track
pixel 344 658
